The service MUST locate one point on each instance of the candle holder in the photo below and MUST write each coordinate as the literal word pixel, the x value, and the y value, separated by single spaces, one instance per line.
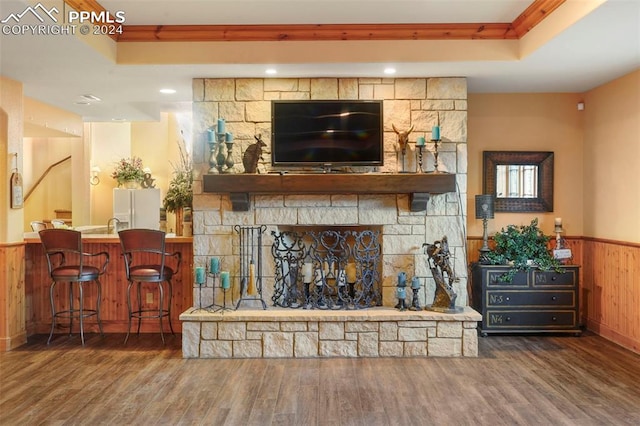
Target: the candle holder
pixel 415 288
pixel 221 158
pixel 559 241
pixel 229 161
pixel 435 155
pixel 211 140
pixel 420 148
pixel 214 307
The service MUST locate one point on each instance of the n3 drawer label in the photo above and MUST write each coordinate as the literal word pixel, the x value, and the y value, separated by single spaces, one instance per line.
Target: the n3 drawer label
pixel 497 299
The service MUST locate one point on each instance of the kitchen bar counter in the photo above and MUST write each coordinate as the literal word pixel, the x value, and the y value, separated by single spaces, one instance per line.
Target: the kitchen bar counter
pixel 114 286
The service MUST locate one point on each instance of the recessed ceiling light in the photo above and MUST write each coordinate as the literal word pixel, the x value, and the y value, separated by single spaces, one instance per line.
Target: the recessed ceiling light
pixel 119 119
pixel 271 71
pixel 389 70
pixel 167 91
pixel 82 103
pixel 90 98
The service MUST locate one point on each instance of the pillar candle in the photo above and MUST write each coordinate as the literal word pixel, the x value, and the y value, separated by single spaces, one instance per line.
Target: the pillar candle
pixel 420 141
pixel 229 137
pixel 211 135
pixel 415 282
pixel 214 265
pixel 351 272
pixel 558 221
pixel 221 125
pixel 307 272
pixel 224 279
pixel 435 133
pixel 200 275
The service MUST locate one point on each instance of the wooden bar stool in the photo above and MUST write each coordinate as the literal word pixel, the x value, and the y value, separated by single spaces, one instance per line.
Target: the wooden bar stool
pixel 66 263
pixel 145 262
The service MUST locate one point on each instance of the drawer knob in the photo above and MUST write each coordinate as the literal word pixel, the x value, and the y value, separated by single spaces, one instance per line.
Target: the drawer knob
pixel 554 319
pixel 508 318
pixel 554 298
pixel 507 298
pixel 553 278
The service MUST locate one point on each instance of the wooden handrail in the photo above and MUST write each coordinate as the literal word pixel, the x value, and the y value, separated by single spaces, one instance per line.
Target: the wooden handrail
pixel 44 175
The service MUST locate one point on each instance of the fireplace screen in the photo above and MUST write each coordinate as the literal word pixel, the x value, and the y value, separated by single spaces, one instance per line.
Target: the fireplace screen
pixel 329 269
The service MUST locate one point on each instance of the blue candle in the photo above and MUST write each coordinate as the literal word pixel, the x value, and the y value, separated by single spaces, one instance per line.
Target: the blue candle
pixel 220 125
pixel 210 135
pixel 200 275
pixel 229 137
pixel 435 133
pixel 214 265
pixel 224 279
pixel 420 141
pixel 402 279
pixel 415 282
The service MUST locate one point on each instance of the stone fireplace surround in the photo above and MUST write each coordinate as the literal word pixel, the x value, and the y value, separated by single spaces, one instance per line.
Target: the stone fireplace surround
pixel 244 103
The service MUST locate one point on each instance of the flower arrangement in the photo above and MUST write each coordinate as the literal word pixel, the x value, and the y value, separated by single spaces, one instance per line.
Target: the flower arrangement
pixel 180 192
pixel 128 169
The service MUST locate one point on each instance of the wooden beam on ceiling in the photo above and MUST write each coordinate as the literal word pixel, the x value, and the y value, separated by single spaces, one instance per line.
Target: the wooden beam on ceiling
pixel 534 14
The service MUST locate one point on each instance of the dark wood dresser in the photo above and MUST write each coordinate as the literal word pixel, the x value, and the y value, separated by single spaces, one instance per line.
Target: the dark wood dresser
pixel 534 301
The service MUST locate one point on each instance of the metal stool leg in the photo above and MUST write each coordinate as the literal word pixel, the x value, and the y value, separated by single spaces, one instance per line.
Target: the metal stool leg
pixel 129 310
pixel 70 308
pixel 169 306
pixel 53 310
pixel 139 305
pixel 160 309
pixel 98 307
pixel 81 316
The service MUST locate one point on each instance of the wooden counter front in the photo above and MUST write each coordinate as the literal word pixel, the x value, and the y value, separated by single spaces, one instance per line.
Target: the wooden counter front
pixel 114 287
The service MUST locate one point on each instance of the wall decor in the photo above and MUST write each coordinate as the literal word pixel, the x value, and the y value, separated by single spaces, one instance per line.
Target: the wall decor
pixel 520 181
pixel 17 195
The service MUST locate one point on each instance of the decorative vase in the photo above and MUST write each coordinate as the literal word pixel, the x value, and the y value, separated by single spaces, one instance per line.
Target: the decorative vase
pixel 179 221
pixel 131 184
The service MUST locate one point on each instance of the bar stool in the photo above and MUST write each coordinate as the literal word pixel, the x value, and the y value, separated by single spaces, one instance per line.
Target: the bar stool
pixel 144 261
pixel 66 263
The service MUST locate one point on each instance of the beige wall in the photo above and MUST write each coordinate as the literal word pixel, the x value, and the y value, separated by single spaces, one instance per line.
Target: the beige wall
pixel 11 131
pixel 529 122
pixel 612 160
pixel 154 142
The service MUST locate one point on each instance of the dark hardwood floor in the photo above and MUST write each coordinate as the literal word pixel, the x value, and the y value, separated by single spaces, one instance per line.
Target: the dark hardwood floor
pixel 516 380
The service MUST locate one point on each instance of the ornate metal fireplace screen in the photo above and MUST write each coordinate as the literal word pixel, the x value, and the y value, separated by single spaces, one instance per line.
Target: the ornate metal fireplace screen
pixel 327 270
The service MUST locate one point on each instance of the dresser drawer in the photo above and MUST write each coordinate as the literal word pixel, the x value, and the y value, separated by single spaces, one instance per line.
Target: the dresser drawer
pixel 495 278
pixel 530 319
pixel 553 278
pixel 539 298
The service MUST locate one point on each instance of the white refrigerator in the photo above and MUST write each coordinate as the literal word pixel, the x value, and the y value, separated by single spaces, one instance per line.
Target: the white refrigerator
pixel 137 208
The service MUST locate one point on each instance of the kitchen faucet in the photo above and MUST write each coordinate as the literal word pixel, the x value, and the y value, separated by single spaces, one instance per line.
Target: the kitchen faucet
pixel 115 228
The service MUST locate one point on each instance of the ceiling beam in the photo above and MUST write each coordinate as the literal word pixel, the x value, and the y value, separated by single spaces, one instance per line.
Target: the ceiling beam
pixel 534 14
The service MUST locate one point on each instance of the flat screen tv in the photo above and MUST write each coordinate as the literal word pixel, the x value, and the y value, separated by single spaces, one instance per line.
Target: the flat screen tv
pixel 326 133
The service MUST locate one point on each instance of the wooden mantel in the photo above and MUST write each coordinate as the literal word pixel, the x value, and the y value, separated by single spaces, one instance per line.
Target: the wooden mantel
pixel 418 185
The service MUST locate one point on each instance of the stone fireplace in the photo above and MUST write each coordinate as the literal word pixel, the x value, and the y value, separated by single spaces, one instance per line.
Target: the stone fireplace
pixel 245 104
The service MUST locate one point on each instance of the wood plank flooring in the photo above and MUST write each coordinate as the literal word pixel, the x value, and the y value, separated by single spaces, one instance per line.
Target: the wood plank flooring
pixel 516 380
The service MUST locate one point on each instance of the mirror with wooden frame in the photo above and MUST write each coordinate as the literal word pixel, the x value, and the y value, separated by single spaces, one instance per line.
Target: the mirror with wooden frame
pixel 520 181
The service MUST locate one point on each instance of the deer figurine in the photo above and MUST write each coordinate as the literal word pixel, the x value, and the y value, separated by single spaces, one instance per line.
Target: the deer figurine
pixel 253 154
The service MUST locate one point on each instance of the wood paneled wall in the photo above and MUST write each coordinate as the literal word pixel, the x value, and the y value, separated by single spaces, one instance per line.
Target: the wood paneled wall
pixel 114 289
pixel 609 286
pixel 12 296
pixel 611 291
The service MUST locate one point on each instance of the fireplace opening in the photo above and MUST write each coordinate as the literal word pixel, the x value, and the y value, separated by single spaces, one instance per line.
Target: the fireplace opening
pixel 327 268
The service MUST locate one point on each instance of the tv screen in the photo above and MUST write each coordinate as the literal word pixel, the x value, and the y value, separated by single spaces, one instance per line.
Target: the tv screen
pixel 316 133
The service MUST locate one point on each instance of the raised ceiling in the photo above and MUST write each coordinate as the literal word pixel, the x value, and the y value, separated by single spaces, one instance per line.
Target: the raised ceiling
pixel 498 45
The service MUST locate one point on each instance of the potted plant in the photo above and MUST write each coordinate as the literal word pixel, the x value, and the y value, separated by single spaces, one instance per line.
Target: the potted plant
pixel 129 172
pixel 180 193
pixel 522 247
